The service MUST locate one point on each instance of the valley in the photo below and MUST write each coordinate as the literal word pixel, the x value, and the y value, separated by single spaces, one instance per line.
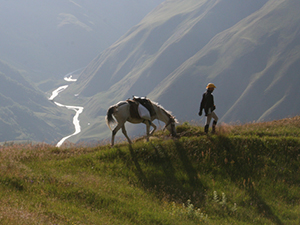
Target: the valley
pixel 78 109
pixel 165 50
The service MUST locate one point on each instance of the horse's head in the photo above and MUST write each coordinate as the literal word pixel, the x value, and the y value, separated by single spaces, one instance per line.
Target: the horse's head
pixel 171 126
pixel 166 117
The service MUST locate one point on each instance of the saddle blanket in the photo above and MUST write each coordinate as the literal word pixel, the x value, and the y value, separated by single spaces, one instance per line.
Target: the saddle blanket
pixel 144 112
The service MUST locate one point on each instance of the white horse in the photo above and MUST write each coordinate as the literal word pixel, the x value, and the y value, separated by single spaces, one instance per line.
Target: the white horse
pixel 121 112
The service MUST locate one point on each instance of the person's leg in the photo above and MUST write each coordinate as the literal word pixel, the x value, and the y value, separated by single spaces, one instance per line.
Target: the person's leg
pixel 214 116
pixel 207 122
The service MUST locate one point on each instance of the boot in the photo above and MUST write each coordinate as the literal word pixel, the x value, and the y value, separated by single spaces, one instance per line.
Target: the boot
pixel 206 129
pixel 214 127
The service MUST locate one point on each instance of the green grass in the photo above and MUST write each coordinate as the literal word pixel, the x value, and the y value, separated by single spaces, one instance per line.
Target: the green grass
pixel 245 174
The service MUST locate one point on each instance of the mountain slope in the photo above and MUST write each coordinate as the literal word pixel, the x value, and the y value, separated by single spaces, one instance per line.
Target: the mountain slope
pixel 25 112
pixel 250 50
pixel 254 65
pixel 44 40
pixel 162 41
pixel 52 38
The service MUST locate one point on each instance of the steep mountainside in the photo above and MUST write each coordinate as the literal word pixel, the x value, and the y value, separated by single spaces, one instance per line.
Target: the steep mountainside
pixel 25 113
pixel 43 40
pixel 254 64
pixel 52 38
pixel 249 49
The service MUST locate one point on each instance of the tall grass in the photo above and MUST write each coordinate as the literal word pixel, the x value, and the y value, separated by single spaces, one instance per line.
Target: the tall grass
pixel 245 174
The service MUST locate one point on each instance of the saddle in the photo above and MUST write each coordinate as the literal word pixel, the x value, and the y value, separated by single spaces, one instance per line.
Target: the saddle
pixel 134 104
pixel 133 109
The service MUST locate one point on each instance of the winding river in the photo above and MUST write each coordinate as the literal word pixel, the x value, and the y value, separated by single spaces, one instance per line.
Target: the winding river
pixel 78 109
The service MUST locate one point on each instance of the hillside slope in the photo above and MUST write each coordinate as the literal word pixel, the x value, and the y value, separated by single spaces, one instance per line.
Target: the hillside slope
pixel 250 50
pixel 243 175
pixel 154 48
pixel 40 42
pixel 254 65
pixel 51 38
pixel 25 112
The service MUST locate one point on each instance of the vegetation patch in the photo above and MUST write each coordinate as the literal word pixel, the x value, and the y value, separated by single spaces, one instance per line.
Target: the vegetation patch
pixel 244 174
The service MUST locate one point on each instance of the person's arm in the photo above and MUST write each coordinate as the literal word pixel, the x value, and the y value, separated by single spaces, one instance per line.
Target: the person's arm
pixel 202 103
pixel 213 107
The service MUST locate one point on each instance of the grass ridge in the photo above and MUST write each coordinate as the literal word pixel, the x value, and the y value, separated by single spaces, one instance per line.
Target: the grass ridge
pixel 244 174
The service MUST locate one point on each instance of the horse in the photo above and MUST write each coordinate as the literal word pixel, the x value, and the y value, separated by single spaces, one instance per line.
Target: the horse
pixel 122 113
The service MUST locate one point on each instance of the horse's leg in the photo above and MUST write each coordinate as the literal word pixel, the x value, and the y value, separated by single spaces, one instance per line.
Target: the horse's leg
pixel 148 123
pixel 154 128
pixel 114 132
pixel 125 134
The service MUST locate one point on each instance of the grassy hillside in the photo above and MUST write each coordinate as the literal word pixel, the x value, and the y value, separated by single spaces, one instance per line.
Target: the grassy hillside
pixel 243 175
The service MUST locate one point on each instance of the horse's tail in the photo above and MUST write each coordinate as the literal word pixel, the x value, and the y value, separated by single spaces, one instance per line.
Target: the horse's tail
pixel 109 118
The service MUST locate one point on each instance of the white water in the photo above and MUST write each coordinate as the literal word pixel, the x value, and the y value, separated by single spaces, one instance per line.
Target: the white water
pixel 70 79
pixel 76 123
pixel 78 109
pixel 57 91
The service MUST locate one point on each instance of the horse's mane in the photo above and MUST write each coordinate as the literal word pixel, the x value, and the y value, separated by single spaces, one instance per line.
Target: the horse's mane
pixel 169 113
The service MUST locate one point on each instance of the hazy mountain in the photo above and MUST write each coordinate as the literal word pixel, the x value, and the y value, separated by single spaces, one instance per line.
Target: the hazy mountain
pixel 50 38
pixel 41 41
pixel 249 49
pixel 25 112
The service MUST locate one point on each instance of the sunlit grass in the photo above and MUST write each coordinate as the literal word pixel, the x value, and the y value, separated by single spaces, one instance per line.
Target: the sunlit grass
pixel 244 174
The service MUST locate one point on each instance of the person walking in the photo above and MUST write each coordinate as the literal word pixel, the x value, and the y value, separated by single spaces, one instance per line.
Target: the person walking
pixel 207 103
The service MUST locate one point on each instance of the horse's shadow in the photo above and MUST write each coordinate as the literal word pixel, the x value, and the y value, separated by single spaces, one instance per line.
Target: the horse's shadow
pixel 138 172
pixel 166 184
pixel 237 174
pixel 165 181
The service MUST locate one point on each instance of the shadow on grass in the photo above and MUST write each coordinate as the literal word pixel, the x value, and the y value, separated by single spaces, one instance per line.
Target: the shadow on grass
pixel 138 172
pixel 248 157
pixel 169 175
pixel 173 171
pixel 263 208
